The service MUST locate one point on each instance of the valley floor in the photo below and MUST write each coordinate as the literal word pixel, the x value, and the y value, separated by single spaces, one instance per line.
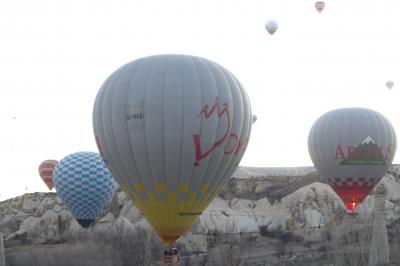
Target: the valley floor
pixel 263 251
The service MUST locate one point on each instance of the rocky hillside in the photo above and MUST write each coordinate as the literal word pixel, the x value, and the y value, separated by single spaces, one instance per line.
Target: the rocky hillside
pixel 264 201
pixel 271 216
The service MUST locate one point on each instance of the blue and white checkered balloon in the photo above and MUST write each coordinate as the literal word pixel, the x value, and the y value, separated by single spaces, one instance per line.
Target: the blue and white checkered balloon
pixel 84 184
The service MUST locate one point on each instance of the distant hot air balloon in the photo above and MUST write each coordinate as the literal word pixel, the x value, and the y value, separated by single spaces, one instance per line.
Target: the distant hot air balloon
pixel 319 6
pixel 172 130
pixel 46 172
pixel 254 118
pixel 389 84
pixel 352 148
pixel 271 26
pixel 84 184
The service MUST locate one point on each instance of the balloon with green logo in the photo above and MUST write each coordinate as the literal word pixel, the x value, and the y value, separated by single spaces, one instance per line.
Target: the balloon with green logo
pixel 352 148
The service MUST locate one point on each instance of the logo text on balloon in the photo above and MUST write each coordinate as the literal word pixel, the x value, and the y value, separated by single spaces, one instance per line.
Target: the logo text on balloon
pixel 367 153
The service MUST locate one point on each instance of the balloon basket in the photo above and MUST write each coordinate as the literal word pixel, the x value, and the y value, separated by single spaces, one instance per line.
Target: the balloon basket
pixel 171 255
pixel 351 207
pixel 352 212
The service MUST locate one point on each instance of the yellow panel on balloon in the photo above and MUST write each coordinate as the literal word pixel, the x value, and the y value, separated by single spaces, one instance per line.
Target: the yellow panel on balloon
pixel 171 218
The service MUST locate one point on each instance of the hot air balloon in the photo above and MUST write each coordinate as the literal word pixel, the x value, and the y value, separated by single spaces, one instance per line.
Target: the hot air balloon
pixel 46 172
pixel 271 26
pixel 84 184
pixel 389 84
pixel 172 130
pixel 319 6
pixel 254 118
pixel 352 148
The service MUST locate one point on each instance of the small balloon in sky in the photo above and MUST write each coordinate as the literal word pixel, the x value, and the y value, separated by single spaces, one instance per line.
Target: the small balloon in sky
pixel 389 84
pixel 271 26
pixel 254 118
pixel 352 148
pixel 319 6
pixel 46 169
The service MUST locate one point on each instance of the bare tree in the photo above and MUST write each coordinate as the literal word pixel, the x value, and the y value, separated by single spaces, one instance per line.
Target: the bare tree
pixel 379 248
pixel 140 247
pixel 279 250
pixel 349 242
pixel 231 249
pixel 204 259
pixel 2 257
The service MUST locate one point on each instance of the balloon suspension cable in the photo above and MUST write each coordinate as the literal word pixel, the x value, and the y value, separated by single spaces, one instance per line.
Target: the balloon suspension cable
pixel 171 255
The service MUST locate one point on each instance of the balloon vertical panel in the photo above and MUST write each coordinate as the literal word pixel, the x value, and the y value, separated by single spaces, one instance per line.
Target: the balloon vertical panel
pixel 138 123
pixel 99 105
pixel 173 99
pixel 172 134
pixel 172 130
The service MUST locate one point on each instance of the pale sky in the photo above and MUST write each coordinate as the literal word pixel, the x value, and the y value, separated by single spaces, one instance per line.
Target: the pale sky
pixel 55 55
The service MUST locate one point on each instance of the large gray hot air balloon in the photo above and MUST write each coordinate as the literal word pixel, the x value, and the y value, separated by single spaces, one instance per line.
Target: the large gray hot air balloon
pixel 352 148
pixel 172 130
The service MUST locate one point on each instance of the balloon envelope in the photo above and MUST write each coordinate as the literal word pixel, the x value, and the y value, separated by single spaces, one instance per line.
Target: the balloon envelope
pixel 389 84
pixel 319 6
pixel 172 130
pixel 46 169
pixel 271 26
pixel 352 148
pixel 84 184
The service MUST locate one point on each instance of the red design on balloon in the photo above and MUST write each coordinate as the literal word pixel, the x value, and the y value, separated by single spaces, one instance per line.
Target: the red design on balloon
pixel 207 112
